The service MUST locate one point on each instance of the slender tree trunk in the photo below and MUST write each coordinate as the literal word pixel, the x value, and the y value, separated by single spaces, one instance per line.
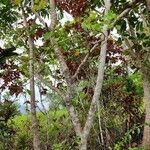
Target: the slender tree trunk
pixel 98 87
pixel 146 87
pixel 92 110
pixel 83 145
pixel 35 124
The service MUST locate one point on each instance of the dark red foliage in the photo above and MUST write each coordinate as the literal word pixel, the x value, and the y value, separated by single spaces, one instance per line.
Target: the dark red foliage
pixel 39 33
pixel 15 89
pixel 119 70
pixel 114 48
pixel 31 21
pixel 74 7
pixel 11 78
pixel 73 61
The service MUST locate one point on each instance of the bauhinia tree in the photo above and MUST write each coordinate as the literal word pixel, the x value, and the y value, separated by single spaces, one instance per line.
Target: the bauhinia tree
pixel 81 132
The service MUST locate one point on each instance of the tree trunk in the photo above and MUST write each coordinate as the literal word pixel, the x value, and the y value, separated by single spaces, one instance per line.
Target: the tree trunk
pixel 83 144
pixel 146 133
pixel 99 83
pixel 83 134
pixel 35 124
pixel 148 9
pixel 148 5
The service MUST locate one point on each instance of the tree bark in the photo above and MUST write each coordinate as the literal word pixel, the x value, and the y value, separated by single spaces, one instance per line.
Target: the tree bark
pixel 35 124
pixel 65 71
pixel 148 9
pixel 146 87
pixel 98 87
pixel 148 4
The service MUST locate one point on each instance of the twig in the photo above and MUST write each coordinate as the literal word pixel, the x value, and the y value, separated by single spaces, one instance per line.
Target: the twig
pixel 85 59
pixel 125 11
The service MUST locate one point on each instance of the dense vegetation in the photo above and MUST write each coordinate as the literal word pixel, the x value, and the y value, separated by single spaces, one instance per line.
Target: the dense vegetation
pixel 81 70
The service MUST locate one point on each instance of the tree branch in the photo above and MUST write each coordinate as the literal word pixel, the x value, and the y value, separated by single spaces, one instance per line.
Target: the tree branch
pixel 85 60
pixel 65 71
pixel 53 14
pixel 125 11
pixel 100 76
pixel 64 67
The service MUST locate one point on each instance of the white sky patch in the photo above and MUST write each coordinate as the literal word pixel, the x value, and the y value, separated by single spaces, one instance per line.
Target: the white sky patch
pixel 47 20
pixel 115 34
pixel 67 17
pixel 1 43
pixel 19 50
pixel 38 42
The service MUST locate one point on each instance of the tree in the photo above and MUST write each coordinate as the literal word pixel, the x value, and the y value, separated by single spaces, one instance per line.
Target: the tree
pixel 35 124
pixel 81 133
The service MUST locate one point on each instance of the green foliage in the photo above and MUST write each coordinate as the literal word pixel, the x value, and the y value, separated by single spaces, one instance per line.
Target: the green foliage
pixel 87 24
pixel 8 110
pixel 7 16
pixel 128 137
pixel 47 35
pixel 39 4
pixel 55 129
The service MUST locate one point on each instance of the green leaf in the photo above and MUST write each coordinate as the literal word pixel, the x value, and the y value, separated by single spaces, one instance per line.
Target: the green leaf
pixel 5 2
pixel 138 130
pixel 17 2
pixel 47 35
